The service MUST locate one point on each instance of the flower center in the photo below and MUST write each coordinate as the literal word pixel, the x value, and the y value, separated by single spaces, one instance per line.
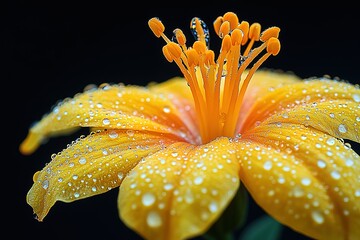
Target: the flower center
pixel 218 87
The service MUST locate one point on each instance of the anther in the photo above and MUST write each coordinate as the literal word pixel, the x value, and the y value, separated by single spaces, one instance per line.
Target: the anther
pixel 273 46
pixel 236 36
pixel 217 23
pixel 192 57
pixel 226 44
pixel 232 19
pixel 200 47
pixel 269 33
pixel 174 50
pixel 244 27
pixel 224 29
pixel 254 31
pixel 180 36
pixel 167 54
pixel 210 57
pixel 156 26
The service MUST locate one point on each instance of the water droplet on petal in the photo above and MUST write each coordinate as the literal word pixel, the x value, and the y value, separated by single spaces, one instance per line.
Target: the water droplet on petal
pixel 198 180
pixel 306 181
pixel 45 184
pixel 166 110
pixel 148 199
pixel 342 128
pixel 113 135
pixel 356 98
pixel 154 219
pixel 268 165
pixel 317 217
pixel 335 175
pixel 82 160
pixel 106 121
pixel 321 164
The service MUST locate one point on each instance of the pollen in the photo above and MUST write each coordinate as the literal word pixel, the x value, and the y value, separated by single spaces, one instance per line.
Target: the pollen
pixel 218 83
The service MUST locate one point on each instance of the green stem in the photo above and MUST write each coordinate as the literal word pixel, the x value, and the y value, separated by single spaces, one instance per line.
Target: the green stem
pixel 226 236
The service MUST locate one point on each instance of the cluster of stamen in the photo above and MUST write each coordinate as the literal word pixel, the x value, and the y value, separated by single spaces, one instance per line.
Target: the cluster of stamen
pixel 218 87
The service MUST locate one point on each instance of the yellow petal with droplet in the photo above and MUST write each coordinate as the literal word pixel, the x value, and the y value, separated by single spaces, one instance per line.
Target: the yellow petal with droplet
pixel 177 193
pixel 113 107
pixel 306 179
pixel 306 92
pixel 339 118
pixel 90 166
pixel 262 83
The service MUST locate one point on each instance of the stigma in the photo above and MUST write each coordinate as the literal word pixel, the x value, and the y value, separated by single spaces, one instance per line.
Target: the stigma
pixel 218 83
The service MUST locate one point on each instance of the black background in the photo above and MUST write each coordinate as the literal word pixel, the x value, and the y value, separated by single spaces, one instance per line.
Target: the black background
pixel 53 50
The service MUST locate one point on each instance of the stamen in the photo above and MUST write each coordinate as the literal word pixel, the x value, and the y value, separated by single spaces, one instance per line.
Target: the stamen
pixel 218 87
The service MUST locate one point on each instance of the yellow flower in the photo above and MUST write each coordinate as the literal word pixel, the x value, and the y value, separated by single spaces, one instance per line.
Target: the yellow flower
pixel 179 150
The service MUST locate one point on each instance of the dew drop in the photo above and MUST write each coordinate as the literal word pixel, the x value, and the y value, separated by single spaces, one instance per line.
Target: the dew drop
pixel 45 184
pixel 204 28
pixel 82 160
pixel 166 110
pixel 330 141
pixel 332 115
pixel 76 195
pixel 168 186
pixel 153 219
pixel 349 162
pixel 317 217
pixel 113 135
pixel 213 207
pixel 342 128
pixel 268 165
pixel 357 193
pixel 298 191
pixel 306 181
pixel 356 98
pixel 106 121
pixel 321 164
pixel 120 175
pixel 130 133
pixel 335 175
pixel 93 189
pixel 198 180
pixel 148 199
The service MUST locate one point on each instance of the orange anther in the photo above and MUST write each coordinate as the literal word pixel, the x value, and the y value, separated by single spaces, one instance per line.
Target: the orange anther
pixel 244 27
pixel 180 36
pixel 200 47
pixel 174 49
pixel 269 33
pixel 226 43
pixel 236 36
pixel 224 29
pixel 166 53
pixel 192 57
pixel 273 46
pixel 156 26
pixel 232 19
pixel 217 23
pixel 254 31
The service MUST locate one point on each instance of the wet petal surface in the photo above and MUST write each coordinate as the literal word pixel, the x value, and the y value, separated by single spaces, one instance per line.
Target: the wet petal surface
pixel 90 166
pixel 306 179
pixel 115 107
pixel 178 192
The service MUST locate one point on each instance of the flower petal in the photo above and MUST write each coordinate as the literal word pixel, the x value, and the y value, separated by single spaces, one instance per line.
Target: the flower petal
pixel 339 118
pixel 304 178
pixel 113 107
pixel 303 93
pixel 90 166
pixel 262 83
pixel 179 192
